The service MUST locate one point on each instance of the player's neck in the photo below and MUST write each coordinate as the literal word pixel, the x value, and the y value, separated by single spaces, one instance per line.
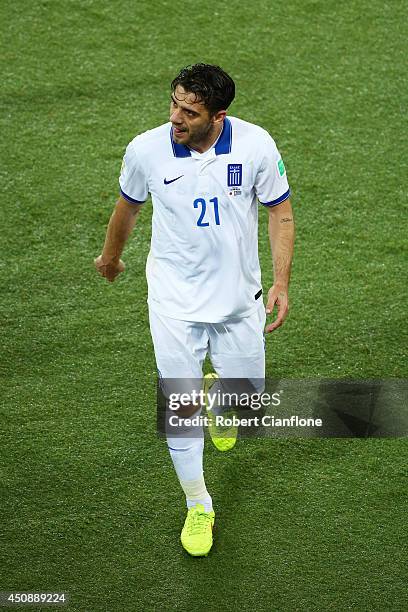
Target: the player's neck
pixel 212 137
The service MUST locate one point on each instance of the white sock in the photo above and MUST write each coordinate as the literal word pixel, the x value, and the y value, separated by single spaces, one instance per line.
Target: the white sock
pixel 187 456
pixel 196 493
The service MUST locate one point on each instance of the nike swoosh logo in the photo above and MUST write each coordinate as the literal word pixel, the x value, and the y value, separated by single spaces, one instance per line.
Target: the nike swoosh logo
pixel 166 182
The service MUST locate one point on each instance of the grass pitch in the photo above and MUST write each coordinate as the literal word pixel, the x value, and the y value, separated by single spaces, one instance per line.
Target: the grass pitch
pixel 90 503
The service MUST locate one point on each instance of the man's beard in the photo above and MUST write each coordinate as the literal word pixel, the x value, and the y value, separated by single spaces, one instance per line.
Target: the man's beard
pixel 201 135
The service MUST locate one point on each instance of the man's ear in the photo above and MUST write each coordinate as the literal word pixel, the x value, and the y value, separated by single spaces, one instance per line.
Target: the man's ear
pixel 219 116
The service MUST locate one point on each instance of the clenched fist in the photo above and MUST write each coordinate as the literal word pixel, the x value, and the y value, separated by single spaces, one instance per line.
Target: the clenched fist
pixel 110 269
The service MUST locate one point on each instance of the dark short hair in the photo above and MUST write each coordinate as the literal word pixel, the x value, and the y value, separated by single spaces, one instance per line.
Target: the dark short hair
pixel 211 85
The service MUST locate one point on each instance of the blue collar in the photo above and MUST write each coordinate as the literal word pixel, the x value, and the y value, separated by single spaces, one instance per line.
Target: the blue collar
pixel 222 146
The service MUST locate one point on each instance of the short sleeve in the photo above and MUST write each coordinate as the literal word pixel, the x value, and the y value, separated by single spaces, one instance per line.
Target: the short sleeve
pixel 271 183
pixel 132 180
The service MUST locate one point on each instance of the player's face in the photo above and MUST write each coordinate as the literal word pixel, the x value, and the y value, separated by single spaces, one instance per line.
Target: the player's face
pixel 192 123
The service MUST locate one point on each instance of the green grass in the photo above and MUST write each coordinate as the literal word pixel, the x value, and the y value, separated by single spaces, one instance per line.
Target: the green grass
pixel 301 525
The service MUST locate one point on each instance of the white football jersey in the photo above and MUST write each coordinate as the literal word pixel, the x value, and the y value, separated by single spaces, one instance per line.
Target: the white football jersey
pixel 203 262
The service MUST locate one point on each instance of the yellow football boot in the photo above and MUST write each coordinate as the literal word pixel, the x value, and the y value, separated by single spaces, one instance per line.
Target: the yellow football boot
pixel 196 536
pixel 223 436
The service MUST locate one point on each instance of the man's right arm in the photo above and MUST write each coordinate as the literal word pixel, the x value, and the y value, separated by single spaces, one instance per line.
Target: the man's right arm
pixel 119 229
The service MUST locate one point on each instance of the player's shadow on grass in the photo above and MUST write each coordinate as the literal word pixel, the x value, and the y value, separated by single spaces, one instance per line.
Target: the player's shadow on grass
pixel 362 408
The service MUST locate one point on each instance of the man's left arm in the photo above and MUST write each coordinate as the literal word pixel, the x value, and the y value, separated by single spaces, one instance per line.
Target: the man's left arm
pixel 281 230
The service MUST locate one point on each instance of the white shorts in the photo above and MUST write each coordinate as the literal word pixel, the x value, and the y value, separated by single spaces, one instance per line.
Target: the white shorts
pixel 236 347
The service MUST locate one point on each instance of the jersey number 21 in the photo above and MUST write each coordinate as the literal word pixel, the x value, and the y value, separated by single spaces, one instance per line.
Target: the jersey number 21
pixel 200 202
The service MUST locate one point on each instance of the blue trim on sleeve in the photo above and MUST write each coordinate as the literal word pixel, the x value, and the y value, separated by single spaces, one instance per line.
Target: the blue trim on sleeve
pixel 278 201
pixel 131 200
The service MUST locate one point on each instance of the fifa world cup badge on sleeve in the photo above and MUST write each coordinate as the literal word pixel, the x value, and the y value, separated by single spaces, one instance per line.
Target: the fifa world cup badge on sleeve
pixel 281 167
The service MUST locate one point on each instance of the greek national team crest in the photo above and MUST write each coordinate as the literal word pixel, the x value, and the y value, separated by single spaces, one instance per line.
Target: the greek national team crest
pixel 234 175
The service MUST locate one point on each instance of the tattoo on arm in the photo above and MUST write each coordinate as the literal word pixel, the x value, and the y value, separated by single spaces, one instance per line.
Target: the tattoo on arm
pixel 282 256
pixel 281 236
